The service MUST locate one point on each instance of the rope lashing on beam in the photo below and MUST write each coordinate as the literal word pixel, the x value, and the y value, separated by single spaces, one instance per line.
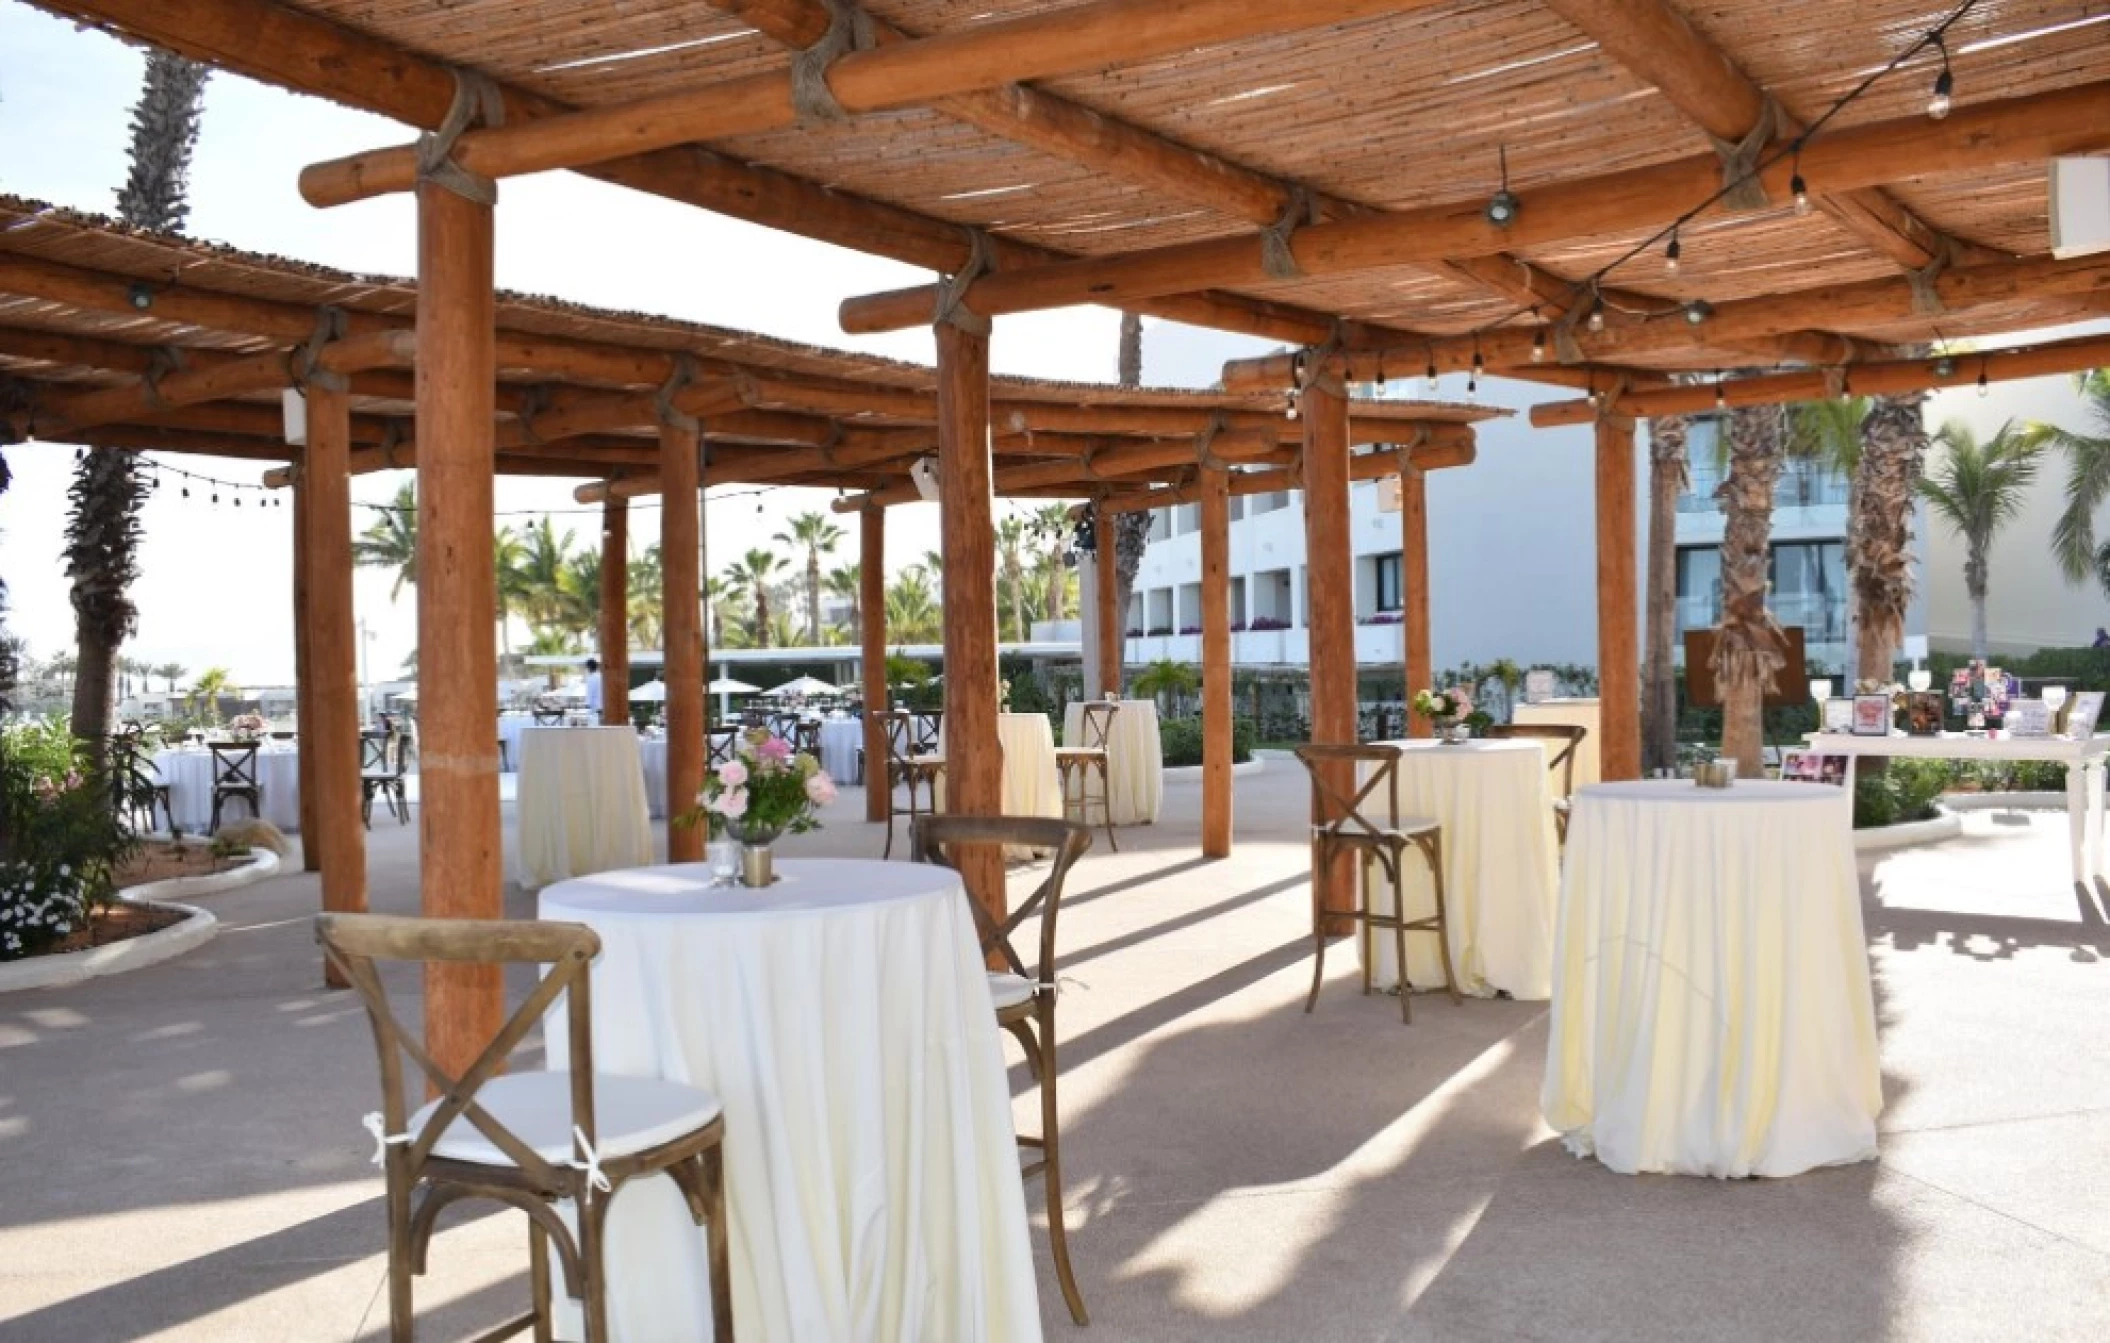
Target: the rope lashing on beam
pixel 1925 282
pixel 164 360
pixel 1566 348
pixel 533 402
pixel 1742 189
pixel 1313 371
pixel 1835 375
pixel 849 29
pixel 1275 255
pixel 477 102
pixel 1092 451
pixel 670 415
pixel 1205 445
pixel 306 368
pixel 391 439
pixel 1406 449
pixel 951 307
pixel 1607 400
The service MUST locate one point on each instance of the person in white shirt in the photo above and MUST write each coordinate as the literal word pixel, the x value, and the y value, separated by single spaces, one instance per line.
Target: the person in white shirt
pixel 593 686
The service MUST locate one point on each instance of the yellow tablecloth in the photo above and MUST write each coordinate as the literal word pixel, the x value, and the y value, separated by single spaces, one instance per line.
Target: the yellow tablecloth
pixel 1712 1013
pixel 581 805
pixel 1136 759
pixel 1581 713
pixel 1501 867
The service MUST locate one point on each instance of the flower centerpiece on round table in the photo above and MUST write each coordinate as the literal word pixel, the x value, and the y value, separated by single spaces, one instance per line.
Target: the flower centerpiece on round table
pixel 247 727
pixel 1446 711
pixel 766 790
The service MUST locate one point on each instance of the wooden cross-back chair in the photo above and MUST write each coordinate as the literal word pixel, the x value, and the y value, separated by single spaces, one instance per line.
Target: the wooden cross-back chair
pixel 929 735
pixel 806 736
pixel 139 797
pixel 373 751
pixel 387 780
pixel 526 1139
pixel 722 744
pixel 1024 996
pixel 1560 762
pixel 908 765
pixel 1339 824
pixel 234 777
pixel 1075 766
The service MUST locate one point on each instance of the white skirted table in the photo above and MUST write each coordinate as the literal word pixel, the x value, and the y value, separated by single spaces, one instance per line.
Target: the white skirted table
pixel 652 758
pixel 1712 1013
pixel 1501 867
pixel 841 740
pixel 843 1017
pixel 582 804
pixel 188 772
pixel 1030 787
pixel 1136 758
pixel 510 726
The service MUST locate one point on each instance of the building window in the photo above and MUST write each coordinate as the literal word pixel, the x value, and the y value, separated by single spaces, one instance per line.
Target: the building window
pixel 1807 587
pixel 1389 586
pixel 1160 524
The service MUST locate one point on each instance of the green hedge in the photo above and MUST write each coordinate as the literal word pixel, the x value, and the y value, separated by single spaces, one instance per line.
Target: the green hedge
pixel 1181 739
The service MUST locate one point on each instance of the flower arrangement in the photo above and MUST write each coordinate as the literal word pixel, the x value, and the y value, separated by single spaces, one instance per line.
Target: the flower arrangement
pixel 1003 695
pixel 1259 623
pixel 1443 707
pixel 765 790
pixel 248 726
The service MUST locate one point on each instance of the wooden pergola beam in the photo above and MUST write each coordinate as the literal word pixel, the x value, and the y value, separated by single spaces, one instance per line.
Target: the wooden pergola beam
pixel 1888 378
pixel 1363 466
pixel 1992 134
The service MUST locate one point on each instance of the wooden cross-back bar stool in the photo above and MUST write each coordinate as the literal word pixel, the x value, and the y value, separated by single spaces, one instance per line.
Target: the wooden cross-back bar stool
pixel 1024 996
pixel 1561 762
pixel 1338 824
pixel 526 1139
pixel 1077 764
pixel 234 776
pixel 910 764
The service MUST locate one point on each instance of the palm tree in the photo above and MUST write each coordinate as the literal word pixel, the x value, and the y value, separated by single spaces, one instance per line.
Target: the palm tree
pixel 1977 488
pixel 579 591
pixel 542 574
pixel 1668 477
pixel 102 531
pixel 1830 432
pixel 1131 530
pixel 911 607
pixel 753 575
pixel 14 650
pixel 171 672
pixel 720 593
pixel 1893 454
pixel 2087 479
pixel 507 553
pixel 1011 563
pixel 644 589
pixel 1747 649
pixel 1052 524
pixel 392 541
pixel 817 536
pixel 205 694
pixel 845 582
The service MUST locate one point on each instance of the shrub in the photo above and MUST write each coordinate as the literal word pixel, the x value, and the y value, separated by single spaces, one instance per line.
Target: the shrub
pixel 1181 740
pixel 1904 791
pixel 60 838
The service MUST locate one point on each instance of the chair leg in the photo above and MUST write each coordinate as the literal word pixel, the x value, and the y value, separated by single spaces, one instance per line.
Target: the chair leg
pixel 401 1320
pixel 1051 1173
pixel 1318 931
pixel 1432 849
pixel 1399 939
pixel 1106 804
pixel 889 815
pixel 538 1279
pixel 593 1213
pixel 717 1239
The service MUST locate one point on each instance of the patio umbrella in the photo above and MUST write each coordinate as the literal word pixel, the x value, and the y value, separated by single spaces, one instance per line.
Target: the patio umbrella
pixel 725 687
pixel 651 691
pixel 810 687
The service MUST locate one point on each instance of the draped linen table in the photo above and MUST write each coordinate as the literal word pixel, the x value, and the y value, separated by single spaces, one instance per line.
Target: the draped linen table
pixel 843 1017
pixel 1712 1013
pixel 187 771
pixel 652 757
pixel 581 803
pixel 841 740
pixel 1136 759
pixel 1030 785
pixel 510 726
pixel 1501 867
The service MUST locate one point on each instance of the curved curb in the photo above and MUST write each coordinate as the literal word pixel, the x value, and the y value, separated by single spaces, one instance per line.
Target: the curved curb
pixel 1876 839
pixel 2004 801
pixel 134 953
pixel 1193 773
pixel 262 864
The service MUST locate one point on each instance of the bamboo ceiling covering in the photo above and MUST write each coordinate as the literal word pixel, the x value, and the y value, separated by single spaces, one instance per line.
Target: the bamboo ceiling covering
pixel 1405 110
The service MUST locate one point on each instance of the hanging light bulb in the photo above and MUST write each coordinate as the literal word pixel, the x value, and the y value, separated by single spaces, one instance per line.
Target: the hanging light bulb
pixel 1802 193
pixel 1944 367
pixel 1721 395
pixel 1502 207
pixel 186 491
pixel 1944 84
pixel 1671 254
pixel 1380 375
pixel 1984 390
pixel 1596 322
pixel 1698 311
pixel 1289 411
pixel 1538 347
pixel 1432 373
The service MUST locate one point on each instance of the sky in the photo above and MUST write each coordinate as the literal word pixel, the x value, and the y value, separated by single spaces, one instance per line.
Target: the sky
pixel 216 586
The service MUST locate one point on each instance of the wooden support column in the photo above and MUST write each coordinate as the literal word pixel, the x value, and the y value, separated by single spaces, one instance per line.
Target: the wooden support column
pixel 1618 635
pixel 1330 617
pixel 681 623
pixel 1216 662
pixel 329 728
pixel 303 682
pixel 974 758
pixel 1414 586
pixel 461 866
pixel 615 614
pixel 1113 640
pixel 871 628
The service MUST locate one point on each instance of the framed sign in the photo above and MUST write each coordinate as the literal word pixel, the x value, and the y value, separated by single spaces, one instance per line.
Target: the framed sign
pixel 1839 715
pixel 2087 707
pixel 1538 685
pixel 1923 712
pixel 2028 718
pixel 1810 767
pixel 1872 715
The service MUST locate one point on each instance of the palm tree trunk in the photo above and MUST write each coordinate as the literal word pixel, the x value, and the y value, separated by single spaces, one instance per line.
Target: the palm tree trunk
pixel 1667 477
pixel 1879 541
pixel 813 595
pixel 1747 649
pixel 1974 575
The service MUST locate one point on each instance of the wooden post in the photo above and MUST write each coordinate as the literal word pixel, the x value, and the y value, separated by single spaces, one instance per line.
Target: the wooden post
pixel 615 612
pixel 1113 640
pixel 1618 638
pixel 974 758
pixel 1216 662
pixel 1330 614
pixel 303 680
pixel 1414 587
pixel 329 728
pixel 871 626
pixel 461 867
pixel 681 623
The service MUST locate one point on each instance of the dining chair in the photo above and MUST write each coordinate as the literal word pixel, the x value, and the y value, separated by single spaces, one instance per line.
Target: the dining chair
pixel 908 765
pixel 1339 825
pixel 1024 997
pixel 234 777
pixel 1077 764
pixel 549 718
pixel 139 796
pixel 526 1139
pixel 1562 761
pixel 806 737
pixel 388 781
pixel 722 744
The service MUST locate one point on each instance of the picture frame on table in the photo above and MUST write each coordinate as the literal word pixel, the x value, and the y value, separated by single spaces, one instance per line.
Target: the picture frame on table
pixel 2028 718
pixel 1872 715
pixel 1924 712
pixel 1814 767
pixel 1839 715
pixel 2086 709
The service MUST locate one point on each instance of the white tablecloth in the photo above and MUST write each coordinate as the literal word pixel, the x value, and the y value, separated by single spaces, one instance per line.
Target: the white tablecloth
pixel 1501 867
pixel 1136 758
pixel 188 773
pixel 841 739
pixel 581 803
pixel 843 1017
pixel 1030 786
pixel 510 726
pixel 652 758
pixel 1711 1005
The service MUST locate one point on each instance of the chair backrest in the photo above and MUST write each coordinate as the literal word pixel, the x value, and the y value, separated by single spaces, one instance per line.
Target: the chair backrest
pixel 933 839
pixel 233 764
pixel 900 734
pixel 549 718
pixel 1338 796
pixel 929 730
pixel 1563 759
pixel 1098 723
pixel 806 737
pixel 354 943
pixel 784 725
pixel 400 766
pixel 721 745
pixel 373 752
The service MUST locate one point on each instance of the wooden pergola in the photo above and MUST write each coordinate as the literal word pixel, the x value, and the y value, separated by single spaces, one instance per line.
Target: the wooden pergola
pixel 1593 194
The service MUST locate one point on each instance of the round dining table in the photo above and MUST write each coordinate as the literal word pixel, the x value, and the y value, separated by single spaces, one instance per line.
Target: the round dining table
pixel 843 1018
pixel 1501 867
pixel 841 740
pixel 580 806
pixel 1135 759
pixel 1712 1009
pixel 188 772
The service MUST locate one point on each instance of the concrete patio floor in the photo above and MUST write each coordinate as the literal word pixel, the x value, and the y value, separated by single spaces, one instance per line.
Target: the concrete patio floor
pixel 181 1156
